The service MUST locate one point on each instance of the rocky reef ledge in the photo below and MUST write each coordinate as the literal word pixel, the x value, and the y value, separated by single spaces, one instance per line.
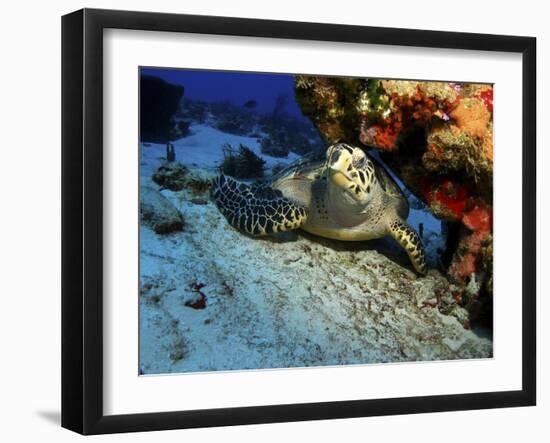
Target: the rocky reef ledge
pixel 212 298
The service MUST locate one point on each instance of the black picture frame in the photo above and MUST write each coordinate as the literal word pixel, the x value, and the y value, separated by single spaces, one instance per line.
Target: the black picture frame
pixel 82 215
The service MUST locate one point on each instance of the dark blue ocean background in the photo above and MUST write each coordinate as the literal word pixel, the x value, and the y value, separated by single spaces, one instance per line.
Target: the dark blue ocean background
pixel 235 87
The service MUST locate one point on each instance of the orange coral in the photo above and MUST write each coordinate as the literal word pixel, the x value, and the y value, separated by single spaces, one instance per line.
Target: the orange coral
pixel 446 199
pixel 470 253
pixel 479 219
pixel 472 116
pixel 385 137
pixel 486 95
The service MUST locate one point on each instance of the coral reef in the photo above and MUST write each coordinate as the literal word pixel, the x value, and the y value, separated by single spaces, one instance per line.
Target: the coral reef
pixel 437 137
pixel 288 135
pixel 231 118
pixel 192 110
pixel 250 104
pixel 278 132
pixel 273 149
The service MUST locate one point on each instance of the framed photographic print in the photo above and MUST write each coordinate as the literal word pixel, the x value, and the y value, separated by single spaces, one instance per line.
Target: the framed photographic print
pixel 269 221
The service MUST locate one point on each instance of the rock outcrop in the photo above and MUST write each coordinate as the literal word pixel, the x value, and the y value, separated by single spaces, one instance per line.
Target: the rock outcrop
pixel 158 212
pixel 159 102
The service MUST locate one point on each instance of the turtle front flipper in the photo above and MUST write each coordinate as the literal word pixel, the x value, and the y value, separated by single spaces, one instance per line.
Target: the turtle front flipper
pixel 256 209
pixel 411 242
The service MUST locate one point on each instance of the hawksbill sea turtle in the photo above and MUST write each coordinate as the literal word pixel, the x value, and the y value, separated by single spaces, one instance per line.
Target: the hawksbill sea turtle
pixel 345 195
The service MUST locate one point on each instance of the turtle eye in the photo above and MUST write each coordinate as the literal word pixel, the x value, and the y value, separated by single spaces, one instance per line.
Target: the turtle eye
pixel 359 159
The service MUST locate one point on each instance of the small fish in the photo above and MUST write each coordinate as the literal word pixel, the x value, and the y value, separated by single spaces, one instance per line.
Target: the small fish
pixel 456 86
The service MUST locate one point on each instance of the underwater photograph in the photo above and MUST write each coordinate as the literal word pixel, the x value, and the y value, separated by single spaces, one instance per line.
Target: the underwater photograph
pixel 292 221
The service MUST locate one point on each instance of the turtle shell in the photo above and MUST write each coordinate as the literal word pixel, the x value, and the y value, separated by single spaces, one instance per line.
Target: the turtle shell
pixel 310 166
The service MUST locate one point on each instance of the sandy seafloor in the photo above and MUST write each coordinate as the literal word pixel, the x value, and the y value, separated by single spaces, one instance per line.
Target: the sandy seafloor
pixel 289 301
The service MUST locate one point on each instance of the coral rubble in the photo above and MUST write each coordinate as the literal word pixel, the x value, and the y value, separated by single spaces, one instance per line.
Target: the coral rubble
pixel 171 175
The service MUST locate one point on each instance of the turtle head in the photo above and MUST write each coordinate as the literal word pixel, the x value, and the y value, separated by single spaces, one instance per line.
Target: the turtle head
pixel 351 172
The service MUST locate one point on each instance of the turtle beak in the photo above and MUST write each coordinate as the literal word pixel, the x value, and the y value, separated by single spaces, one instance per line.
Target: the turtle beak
pixel 339 163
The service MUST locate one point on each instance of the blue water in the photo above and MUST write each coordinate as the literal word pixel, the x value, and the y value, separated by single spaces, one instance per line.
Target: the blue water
pixel 236 87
